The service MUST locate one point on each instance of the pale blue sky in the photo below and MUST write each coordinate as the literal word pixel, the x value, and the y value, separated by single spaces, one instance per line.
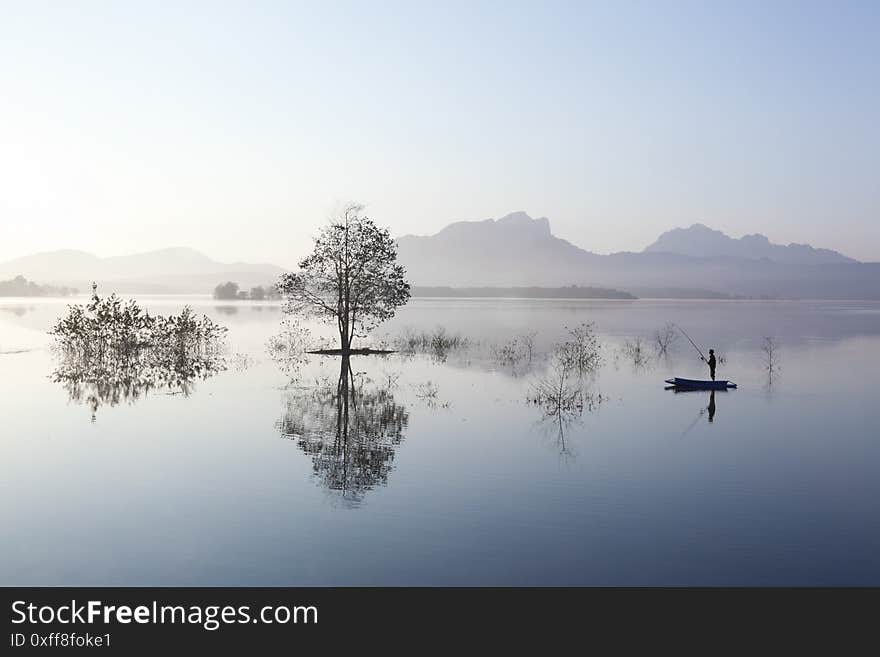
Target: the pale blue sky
pixel 236 128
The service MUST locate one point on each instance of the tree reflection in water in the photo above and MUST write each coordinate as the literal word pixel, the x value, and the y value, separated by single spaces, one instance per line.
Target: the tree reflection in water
pixel 557 421
pixel 554 427
pixel 563 394
pixel 100 384
pixel 350 430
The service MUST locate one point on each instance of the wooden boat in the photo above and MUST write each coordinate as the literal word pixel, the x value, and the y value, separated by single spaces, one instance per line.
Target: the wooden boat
pixel 696 384
pixel 681 390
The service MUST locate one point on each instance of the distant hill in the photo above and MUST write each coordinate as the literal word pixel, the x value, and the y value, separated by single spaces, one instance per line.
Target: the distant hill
pixel 21 287
pixel 569 292
pixel 174 270
pixel 701 241
pixel 519 251
pixel 515 250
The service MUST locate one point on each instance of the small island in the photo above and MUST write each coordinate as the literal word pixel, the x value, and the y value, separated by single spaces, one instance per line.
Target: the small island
pixel 21 287
pixel 359 351
pixel 231 291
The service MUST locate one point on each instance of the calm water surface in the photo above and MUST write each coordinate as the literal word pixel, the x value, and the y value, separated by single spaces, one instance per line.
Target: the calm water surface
pixel 452 476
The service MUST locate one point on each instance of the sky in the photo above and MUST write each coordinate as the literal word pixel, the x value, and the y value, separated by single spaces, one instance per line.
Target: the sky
pixel 238 127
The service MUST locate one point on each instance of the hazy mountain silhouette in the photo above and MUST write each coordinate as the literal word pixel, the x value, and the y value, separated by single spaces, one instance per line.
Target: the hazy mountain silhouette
pixel 177 270
pixel 517 250
pixel 703 242
pixel 513 251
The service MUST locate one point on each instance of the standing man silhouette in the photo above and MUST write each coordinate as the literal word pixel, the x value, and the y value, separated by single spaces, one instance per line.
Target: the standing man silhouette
pixel 711 363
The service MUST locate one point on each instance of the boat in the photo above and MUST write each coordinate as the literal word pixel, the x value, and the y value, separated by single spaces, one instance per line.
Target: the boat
pixel 697 384
pixel 681 390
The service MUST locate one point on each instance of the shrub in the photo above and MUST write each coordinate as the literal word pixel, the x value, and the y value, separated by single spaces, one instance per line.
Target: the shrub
pixel 665 339
pixel 634 350
pixel 437 343
pixel 581 351
pixel 111 349
pixel 289 347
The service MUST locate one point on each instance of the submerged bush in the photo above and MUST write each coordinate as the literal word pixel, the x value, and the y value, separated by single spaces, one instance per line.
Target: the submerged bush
pixel 289 348
pixel 563 389
pixel 437 343
pixel 581 350
pixel 508 353
pixel 665 339
pixel 112 350
pixel 560 390
pixel 634 350
pixel 515 352
pixel 770 356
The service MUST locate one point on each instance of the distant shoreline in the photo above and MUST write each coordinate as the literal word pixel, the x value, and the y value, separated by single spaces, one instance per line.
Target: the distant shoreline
pixel 21 287
pixel 451 293
pixel 526 292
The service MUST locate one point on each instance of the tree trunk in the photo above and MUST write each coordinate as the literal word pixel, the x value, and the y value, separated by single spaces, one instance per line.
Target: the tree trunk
pixel 344 341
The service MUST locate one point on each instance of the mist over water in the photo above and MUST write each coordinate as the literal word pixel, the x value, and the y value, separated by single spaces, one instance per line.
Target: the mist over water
pixel 434 467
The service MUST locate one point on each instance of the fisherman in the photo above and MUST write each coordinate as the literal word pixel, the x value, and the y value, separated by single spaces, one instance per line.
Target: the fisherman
pixel 711 363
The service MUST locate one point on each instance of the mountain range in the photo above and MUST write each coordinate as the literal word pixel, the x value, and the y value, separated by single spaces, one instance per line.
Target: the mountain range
pixel 174 270
pixel 517 250
pixel 701 241
pixel 513 251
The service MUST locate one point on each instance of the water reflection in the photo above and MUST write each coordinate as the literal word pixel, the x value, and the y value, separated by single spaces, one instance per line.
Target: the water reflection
pixel 554 428
pixel 708 410
pixel 350 430
pixel 96 384
pixel 18 311
pixel 563 395
pixel 233 309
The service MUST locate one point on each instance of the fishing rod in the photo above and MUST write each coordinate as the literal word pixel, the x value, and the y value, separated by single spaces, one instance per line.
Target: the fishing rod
pixel 691 341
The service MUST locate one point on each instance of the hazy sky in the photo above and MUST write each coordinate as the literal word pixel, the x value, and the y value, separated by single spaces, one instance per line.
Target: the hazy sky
pixel 236 128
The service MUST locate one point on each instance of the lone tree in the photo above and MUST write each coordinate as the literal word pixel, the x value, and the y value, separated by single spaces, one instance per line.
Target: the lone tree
pixel 351 277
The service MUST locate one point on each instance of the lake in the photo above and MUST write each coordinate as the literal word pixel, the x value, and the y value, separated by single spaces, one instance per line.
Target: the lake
pixel 449 474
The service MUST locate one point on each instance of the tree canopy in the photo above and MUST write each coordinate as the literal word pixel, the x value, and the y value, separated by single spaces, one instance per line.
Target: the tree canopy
pixel 351 277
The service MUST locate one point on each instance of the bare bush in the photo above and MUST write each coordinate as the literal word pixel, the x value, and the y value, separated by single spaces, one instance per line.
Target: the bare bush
pixel 665 339
pixel 289 347
pixel 528 343
pixel 581 351
pixel 510 353
pixel 769 349
pixel 560 390
pixel 634 350
pixel 437 343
